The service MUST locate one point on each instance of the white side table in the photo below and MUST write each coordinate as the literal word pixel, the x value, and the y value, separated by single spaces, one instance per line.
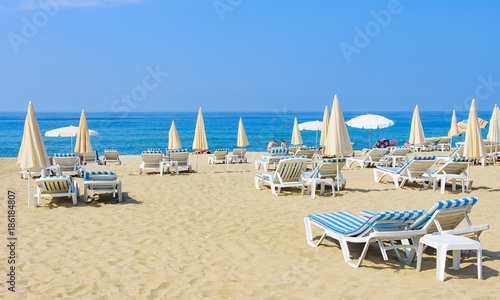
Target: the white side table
pixel 445 242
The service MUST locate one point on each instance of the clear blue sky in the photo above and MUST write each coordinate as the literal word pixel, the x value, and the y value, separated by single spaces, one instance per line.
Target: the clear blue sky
pixel 249 55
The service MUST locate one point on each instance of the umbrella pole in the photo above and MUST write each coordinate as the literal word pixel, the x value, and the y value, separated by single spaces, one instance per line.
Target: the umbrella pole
pixel 316 138
pixel 369 137
pixel 467 184
pixel 29 188
pixel 338 184
pixel 197 163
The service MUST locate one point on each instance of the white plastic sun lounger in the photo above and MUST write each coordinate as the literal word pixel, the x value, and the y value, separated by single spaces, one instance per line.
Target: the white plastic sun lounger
pixel 111 156
pixel 417 169
pixel 68 164
pixel 373 157
pixel 219 156
pixel 329 171
pixel 288 174
pixel 56 186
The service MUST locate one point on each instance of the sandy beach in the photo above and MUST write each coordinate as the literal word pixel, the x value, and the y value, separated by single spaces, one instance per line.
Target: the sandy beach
pixel 211 234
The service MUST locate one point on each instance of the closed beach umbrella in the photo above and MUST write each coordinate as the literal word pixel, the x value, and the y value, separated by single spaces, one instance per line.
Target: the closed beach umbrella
pixel 32 154
pixel 473 146
pixel 174 143
pixel 324 129
pixel 417 131
pixel 370 122
pixel 68 131
pixel 494 130
pixel 83 144
pixel 242 136
pixel 312 125
pixel 200 139
pixel 454 128
pixel 296 137
pixel 337 140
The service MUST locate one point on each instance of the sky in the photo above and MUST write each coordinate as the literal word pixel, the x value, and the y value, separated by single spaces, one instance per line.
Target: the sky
pixel 242 55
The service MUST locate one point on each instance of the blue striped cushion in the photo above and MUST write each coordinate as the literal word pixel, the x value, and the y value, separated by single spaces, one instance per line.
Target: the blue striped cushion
pixel 110 150
pixel 180 150
pixel 424 157
pixel 63 154
pixel 152 151
pixel 276 151
pixel 290 157
pixel 334 160
pixel 88 174
pixel 440 205
pixel 222 150
pixel 460 160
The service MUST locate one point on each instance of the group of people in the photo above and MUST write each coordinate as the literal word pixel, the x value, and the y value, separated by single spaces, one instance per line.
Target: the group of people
pixel 273 144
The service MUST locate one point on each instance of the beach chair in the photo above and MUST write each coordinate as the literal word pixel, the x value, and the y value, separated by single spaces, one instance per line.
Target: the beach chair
pixel 457 153
pixel 101 181
pixel 444 144
pixel 56 186
pixel 491 153
pixel 428 145
pixel 179 159
pixel 91 157
pixel 219 156
pixel 68 164
pixel 397 155
pixel 454 170
pixel 308 153
pixel 292 150
pixel 151 161
pixel 346 227
pixel 328 171
pixel 443 216
pixel 417 169
pixel 238 156
pixel 111 156
pixel 273 158
pixel 288 174
pixel 373 157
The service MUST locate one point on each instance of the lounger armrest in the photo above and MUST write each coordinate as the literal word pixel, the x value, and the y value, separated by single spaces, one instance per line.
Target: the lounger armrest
pixel 467 230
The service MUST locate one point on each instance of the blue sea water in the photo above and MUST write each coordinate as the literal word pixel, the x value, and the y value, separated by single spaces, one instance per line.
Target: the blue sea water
pixel 136 132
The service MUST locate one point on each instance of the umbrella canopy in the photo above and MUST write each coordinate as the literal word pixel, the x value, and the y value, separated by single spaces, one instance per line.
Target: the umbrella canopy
pixel 494 130
pixel 473 146
pixel 462 126
pixel 296 137
pixel 200 138
pixel 370 122
pixel 417 131
pixel 174 143
pixel 324 130
pixel 312 125
pixel 242 136
pixel 32 154
pixel 454 128
pixel 337 140
pixel 83 144
pixel 66 131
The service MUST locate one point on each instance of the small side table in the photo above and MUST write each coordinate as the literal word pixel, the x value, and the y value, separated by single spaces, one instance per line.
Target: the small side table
pixel 445 242
pixel 313 182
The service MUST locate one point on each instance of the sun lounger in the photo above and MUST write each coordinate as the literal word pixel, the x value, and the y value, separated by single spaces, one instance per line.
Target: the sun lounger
pixel 56 186
pixel 179 159
pixel 457 153
pixel 428 145
pixel 272 158
pixel 91 157
pixel 350 228
pixel 444 144
pixel 328 171
pixel 238 156
pixel 373 157
pixel 397 156
pixel 454 170
pixel 417 169
pixel 152 161
pixel 68 164
pixel 219 156
pixel 288 174
pixel 101 181
pixel 111 156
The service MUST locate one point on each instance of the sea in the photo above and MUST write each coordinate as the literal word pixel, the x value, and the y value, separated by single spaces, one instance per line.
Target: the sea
pixel 132 133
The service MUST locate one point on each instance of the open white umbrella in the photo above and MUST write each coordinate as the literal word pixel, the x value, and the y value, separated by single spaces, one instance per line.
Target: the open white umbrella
pixel 296 137
pixel 174 143
pixel 494 130
pixel 337 140
pixel 312 125
pixel 324 129
pixel 200 139
pixel 70 131
pixel 82 144
pixel 32 153
pixel 454 128
pixel 370 122
pixel 417 136
pixel 242 136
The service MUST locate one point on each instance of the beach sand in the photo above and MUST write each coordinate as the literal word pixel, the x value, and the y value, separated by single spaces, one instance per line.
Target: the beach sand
pixel 213 235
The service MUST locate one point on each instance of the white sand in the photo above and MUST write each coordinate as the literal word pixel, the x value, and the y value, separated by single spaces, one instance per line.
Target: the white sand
pixel 212 234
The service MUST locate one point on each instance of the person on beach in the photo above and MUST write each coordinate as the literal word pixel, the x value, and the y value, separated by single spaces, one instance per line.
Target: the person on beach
pixel 271 145
pixel 283 143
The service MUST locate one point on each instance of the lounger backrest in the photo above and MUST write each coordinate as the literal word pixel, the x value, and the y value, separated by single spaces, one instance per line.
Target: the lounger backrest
pixel 220 154
pixel 307 152
pixel 111 154
pixel 328 168
pixel 349 224
pixel 400 151
pixel 289 169
pixel 152 158
pixel 417 166
pixel 429 141
pixel 278 152
pixel 376 154
pixel 455 166
pixel 448 218
pixel 239 152
pixel 90 157
pixel 445 140
pixel 178 155
pixel 65 161
pixel 55 184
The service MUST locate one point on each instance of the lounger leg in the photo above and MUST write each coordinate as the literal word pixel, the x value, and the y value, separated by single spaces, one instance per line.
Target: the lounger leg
pixel 419 256
pixel 345 249
pixel 258 184
pixel 384 252
pixel 309 234
pixel 365 249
